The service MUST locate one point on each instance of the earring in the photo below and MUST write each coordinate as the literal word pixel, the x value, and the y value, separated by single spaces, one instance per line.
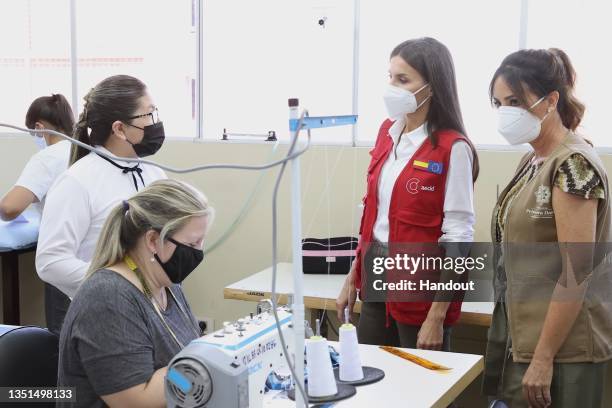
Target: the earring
pixel 153 258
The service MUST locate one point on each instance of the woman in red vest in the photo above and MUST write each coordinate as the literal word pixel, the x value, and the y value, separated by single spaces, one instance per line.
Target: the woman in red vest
pixel 419 190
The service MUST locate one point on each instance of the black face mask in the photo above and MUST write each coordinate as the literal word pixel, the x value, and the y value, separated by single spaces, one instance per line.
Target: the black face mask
pixel 182 262
pixel 152 140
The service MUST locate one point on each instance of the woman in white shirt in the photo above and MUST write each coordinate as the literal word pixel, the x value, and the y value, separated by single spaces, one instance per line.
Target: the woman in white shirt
pixel 47 112
pixel 118 117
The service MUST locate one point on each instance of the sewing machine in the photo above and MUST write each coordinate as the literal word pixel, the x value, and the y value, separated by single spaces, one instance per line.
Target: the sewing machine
pixel 229 367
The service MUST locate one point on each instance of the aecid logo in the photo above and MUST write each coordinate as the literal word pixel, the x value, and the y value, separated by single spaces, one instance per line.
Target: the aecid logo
pixel 412 186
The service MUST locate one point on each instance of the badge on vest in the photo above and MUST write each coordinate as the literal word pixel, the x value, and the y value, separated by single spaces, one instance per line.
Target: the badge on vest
pixel 543 208
pixel 429 166
pixel 413 186
pixel 543 195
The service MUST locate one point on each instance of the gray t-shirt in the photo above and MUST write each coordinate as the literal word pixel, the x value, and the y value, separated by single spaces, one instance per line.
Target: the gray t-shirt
pixel 113 339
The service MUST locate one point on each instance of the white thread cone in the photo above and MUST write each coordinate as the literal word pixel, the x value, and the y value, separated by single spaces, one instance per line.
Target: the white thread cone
pixel 321 381
pixel 350 363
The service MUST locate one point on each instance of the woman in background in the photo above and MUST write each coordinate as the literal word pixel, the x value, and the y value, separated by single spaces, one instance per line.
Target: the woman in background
pixel 42 170
pixel 47 112
pixel 119 118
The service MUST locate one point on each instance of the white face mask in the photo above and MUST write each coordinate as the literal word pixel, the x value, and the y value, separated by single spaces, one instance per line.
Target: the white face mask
pixel 518 125
pixel 400 102
pixel 40 142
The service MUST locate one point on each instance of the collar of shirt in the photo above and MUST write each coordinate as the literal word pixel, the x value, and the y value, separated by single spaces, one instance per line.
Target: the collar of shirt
pixel 120 162
pixel 414 137
pixel 409 141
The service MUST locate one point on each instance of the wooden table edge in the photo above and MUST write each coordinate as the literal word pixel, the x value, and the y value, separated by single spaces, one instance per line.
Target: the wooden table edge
pixel 472 318
pixel 456 389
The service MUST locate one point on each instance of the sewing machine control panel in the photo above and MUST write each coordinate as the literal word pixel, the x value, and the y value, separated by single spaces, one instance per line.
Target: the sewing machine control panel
pixel 242 332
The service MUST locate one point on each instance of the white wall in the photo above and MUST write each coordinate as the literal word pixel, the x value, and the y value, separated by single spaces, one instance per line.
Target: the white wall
pixel 248 249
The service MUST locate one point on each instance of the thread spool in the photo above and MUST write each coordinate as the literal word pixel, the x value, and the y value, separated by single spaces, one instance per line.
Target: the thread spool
pixel 350 363
pixel 321 381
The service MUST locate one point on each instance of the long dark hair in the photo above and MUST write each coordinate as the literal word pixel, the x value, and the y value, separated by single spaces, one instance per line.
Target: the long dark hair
pixel 542 72
pixel 115 98
pixel 434 63
pixel 54 109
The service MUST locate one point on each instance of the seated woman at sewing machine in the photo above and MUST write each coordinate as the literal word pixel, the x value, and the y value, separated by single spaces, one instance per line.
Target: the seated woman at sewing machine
pixel 130 316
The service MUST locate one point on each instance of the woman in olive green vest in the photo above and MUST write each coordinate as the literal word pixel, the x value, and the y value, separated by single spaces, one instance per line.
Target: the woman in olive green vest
pixel 550 336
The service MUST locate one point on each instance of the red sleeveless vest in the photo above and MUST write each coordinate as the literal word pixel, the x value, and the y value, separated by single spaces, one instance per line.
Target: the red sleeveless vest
pixel 416 210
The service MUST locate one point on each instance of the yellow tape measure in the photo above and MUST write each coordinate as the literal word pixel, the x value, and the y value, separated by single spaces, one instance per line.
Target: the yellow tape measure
pixel 430 365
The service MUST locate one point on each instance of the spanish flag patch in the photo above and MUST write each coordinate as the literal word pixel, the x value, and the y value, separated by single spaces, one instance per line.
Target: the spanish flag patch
pixel 430 166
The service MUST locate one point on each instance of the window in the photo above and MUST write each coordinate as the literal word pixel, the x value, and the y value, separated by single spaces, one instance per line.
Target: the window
pixel 258 54
pixel 152 40
pixel 583 31
pixel 478 33
pixel 34 55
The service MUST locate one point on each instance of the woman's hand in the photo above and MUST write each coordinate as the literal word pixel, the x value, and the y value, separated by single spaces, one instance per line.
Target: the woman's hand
pixel 347 295
pixel 536 383
pixel 431 334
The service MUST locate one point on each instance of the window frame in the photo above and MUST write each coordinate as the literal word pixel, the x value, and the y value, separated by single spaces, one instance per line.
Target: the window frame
pixel 355 139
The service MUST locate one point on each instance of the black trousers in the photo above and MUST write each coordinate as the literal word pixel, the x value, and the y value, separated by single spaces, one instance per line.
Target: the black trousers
pixel 56 307
pixel 372 329
pixel 372 321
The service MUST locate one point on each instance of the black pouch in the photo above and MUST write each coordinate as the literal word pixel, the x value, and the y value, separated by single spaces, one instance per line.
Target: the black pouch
pixel 328 255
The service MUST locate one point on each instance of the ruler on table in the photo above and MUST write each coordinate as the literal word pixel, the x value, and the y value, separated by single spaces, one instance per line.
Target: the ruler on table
pixel 430 365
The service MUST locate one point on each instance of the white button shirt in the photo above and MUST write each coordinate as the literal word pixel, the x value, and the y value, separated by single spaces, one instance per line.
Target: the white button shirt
pixel 75 211
pixel 459 219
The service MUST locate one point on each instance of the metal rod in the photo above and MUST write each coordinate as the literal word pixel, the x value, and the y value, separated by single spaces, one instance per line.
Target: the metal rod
pixel 298 276
pixel 355 69
pixel 74 59
pixel 199 69
pixel 523 24
pixel 270 136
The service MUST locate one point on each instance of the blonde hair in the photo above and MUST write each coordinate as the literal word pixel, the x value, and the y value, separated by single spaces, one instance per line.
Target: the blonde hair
pixel 165 206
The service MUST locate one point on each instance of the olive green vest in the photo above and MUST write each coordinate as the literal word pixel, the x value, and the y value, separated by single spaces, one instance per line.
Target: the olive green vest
pixel 532 263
